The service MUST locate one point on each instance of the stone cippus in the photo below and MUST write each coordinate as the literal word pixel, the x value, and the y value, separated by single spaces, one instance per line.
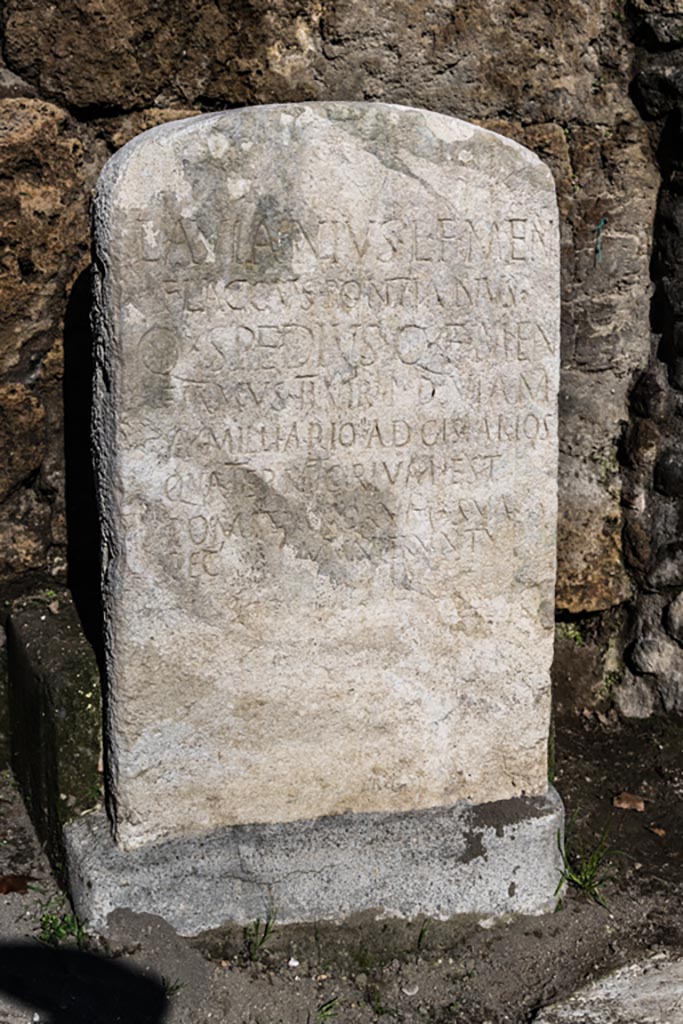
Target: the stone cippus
pixel 327 441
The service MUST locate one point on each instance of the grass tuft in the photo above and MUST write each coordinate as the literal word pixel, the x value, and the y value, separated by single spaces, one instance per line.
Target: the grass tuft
pixel 257 934
pixel 584 869
pixel 326 1011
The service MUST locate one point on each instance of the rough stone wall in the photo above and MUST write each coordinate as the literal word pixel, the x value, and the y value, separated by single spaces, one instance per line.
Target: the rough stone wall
pixel 653 449
pixel 84 76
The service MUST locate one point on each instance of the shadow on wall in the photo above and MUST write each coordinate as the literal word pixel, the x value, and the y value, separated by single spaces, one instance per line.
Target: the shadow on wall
pixel 82 524
pixel 67 986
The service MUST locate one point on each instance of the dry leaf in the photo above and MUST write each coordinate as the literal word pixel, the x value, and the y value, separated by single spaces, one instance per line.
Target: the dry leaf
pixel 657 830
pixel 15 883
pixel 628 802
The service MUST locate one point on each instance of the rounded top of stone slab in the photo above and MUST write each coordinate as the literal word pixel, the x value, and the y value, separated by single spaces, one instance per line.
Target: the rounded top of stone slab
pixel 381 128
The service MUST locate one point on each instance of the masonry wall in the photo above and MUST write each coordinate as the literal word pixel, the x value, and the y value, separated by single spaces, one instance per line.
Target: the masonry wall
pixel 82 77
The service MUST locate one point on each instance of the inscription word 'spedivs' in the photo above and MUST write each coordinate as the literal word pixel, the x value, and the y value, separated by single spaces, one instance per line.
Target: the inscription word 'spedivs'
pixel 327 439
pixel 295 346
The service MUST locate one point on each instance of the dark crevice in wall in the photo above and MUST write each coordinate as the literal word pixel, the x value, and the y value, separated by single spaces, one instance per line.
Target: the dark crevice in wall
pixel 99 111
pixel 83 533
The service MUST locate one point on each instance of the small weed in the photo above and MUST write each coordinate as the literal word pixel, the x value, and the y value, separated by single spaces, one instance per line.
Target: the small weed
pixel 585 870
pixel 55 928
pixel 570 631
pixel 421 939
pixel 257 934
pixel 375 1001
pixel 326 1011
pixel 171 988
pixel 94 793
pixel 365 960
pixel 611 679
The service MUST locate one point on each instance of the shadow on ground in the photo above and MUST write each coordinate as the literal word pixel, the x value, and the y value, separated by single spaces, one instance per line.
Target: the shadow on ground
pixel 68 986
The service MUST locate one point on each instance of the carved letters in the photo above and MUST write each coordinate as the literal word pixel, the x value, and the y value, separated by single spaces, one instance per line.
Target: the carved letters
pixel 330 241
pixel 300 336
pixel 326 436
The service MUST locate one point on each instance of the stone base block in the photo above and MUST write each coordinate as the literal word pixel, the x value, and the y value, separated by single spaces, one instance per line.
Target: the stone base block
pixel 488 860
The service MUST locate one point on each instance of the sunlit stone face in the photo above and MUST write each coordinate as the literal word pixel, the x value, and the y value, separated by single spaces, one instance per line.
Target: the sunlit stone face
pixel 327 441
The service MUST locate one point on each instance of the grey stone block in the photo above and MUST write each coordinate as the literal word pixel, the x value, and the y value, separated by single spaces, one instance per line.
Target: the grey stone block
pixel 650 991
pixel 487 859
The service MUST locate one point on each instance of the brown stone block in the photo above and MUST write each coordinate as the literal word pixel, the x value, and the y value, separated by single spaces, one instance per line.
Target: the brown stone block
pixel 594 578
pixel 24 533
pixel 124 55
pixel 22 435
pixel 44 194
pixel 590 572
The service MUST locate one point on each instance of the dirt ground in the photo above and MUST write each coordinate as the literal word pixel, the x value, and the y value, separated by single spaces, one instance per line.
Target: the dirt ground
pixel 447 973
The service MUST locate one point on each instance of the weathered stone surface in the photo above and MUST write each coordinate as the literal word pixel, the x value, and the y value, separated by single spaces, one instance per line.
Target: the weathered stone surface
pixel 673 619
pixel 590 569
pixel 606 293
pixel 660 22
pixel 658 656
pixel 46 171
pixel 634 696
pixel 24 535
pixel 649 397
pixel 327 442
pixel 4 707
pixel 495 859
pixel 44 205
pixel 117 131
pixel 650 991
pixel 668 476
pixel 22 435
pixel 668 567
pixel 658 87
pixel 123 55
